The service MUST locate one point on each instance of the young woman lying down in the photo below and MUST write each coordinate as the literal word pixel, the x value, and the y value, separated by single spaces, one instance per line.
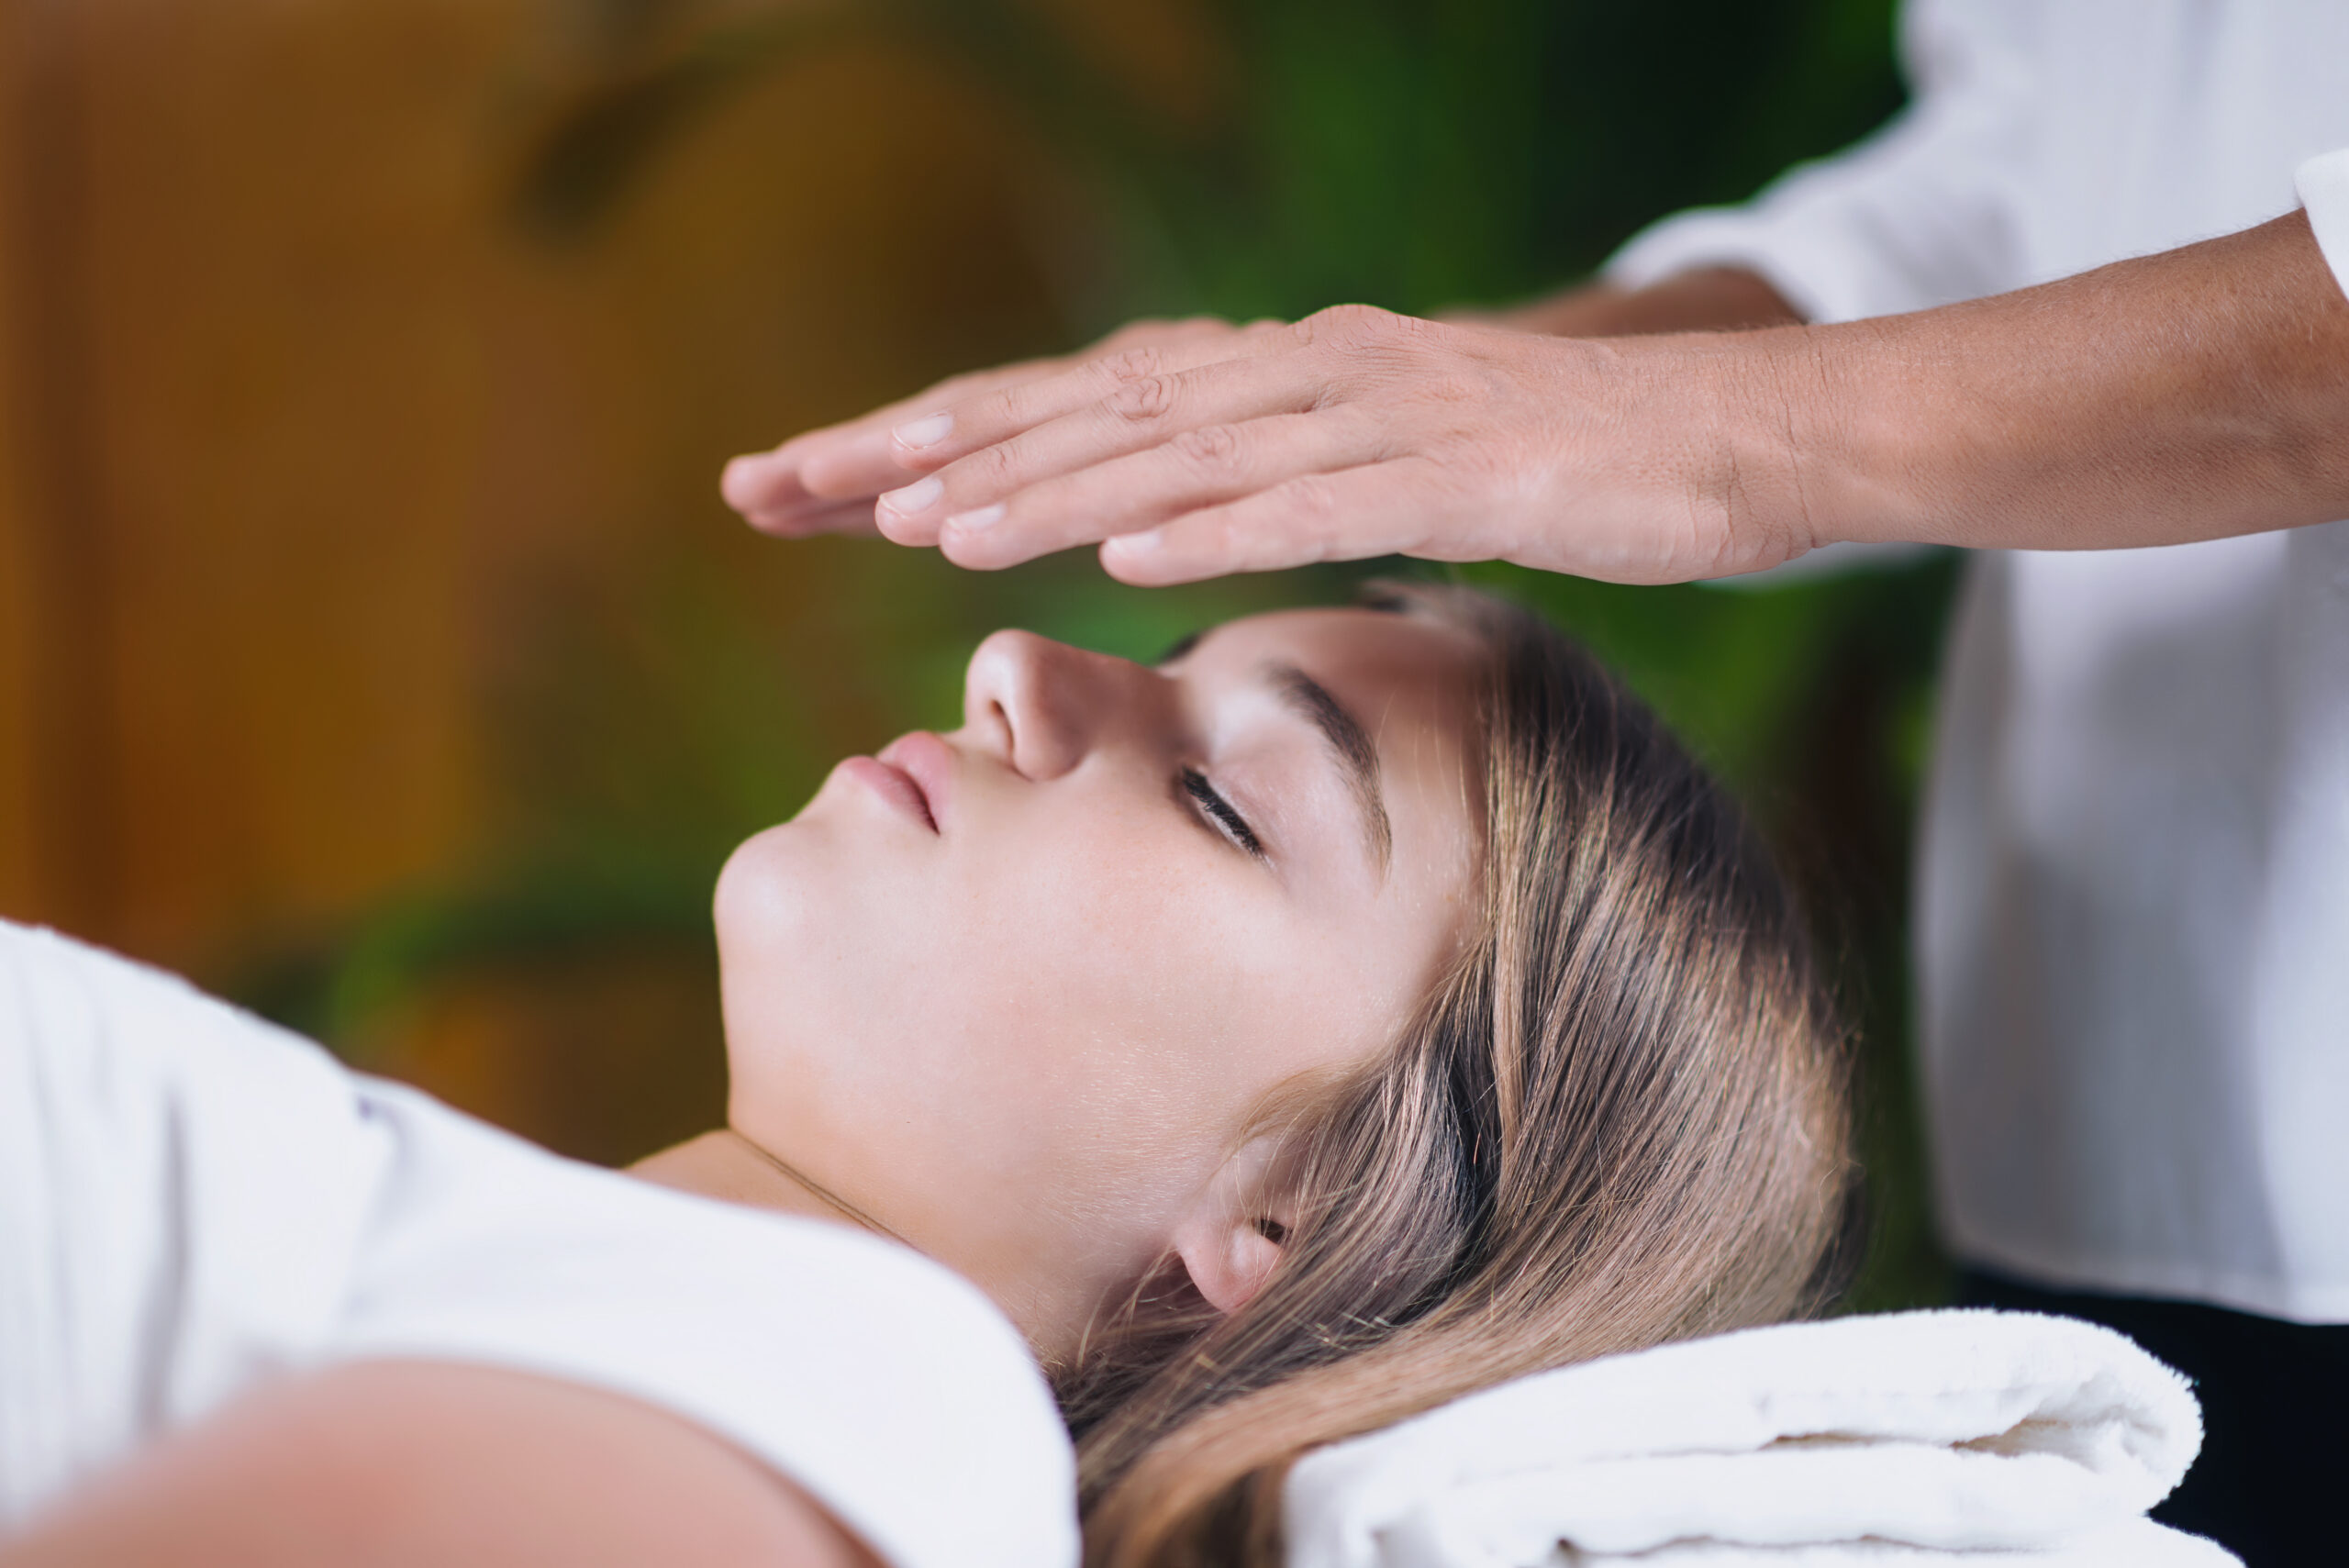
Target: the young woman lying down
pixel 1207 1060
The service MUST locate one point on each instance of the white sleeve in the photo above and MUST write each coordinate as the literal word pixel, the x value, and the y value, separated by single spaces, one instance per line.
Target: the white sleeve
pixel 2323 185
pixel 180 1187
pixel 888 1387
pixel 1921 214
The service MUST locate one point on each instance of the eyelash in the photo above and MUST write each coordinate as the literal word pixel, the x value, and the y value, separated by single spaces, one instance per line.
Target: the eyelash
pixel 1196 785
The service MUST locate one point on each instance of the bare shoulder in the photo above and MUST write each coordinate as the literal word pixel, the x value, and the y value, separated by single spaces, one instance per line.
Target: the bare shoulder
pixel 389 1464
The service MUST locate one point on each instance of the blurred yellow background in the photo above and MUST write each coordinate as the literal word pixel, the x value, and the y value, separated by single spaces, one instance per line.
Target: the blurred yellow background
pixel 373 646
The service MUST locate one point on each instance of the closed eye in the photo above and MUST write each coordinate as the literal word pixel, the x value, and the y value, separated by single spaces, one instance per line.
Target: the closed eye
pixel 1211 802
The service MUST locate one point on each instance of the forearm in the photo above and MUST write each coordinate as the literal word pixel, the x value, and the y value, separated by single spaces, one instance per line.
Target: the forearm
pixel 1710 300
pixel 2196 393
pixel 389 1465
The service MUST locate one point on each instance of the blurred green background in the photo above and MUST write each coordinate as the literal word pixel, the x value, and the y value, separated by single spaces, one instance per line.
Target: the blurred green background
pixel 432 704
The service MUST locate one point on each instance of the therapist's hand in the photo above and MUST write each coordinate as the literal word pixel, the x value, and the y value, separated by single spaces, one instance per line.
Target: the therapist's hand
pixel 1202 450
pixel 826 481
pixel 2188 394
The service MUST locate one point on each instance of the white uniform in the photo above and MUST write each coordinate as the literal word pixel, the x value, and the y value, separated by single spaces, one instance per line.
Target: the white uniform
pixel 193 1202
pixel 2134 933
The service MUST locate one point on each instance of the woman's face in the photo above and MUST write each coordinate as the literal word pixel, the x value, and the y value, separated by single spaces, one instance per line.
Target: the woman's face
pixel 1017 991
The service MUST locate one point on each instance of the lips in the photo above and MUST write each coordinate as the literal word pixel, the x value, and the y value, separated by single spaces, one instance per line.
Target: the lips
pixel 914 774
pixel 929 761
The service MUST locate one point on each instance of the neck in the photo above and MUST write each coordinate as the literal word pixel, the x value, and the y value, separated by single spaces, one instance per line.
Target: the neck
pixel 727 1166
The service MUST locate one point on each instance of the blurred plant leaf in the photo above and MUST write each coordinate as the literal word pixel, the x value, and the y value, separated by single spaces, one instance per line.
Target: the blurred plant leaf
pixel 576 905
pixel 609 134
pixel 605 138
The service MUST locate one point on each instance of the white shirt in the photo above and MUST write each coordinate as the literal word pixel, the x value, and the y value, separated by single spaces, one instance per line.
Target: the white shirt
pixel 2134 926
pixel 193 1202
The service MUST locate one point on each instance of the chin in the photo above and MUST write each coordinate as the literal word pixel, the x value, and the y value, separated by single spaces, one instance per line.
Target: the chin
pixel 778 917
pixel 757 892
pixel 804 953
pixel 770 917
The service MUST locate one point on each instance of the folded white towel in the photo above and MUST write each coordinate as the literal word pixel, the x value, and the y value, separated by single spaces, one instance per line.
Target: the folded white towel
pixel 1911 1438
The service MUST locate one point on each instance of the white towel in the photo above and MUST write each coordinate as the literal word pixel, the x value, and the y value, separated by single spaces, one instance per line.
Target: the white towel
pixel 1913 1438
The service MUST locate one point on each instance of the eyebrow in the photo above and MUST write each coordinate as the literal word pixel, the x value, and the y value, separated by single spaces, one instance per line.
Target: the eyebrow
pixel 1348 741
pixel 1180 646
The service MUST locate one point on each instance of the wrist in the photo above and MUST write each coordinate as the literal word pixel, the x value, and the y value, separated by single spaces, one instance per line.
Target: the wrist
pixel 1754 442
pixel 1832 424
pixel 1676 465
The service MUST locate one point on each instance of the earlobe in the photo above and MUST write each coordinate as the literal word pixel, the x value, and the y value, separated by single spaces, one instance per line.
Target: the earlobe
pixel 1231 1264
pixel 1230 1243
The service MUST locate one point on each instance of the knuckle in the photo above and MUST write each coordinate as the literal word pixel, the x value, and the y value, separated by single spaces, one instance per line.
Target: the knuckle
pixel 1351 324
pixel 1212 449
pixel 1313 500
pixel 1291 526
pixel 1010 409
pixel 992 466
pixel 1143 399
pixel 1142 362
pixel 1408 329
pixel 1314 507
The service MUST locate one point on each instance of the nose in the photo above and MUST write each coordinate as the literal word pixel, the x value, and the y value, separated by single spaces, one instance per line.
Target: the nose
pixel 1046 705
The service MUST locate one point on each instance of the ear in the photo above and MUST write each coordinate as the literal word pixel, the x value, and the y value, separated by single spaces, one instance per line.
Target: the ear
pixel 1231 1238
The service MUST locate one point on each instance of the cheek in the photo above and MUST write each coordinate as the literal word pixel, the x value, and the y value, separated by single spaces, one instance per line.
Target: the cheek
pixel 1174 993
pixel 1127 968
pixel 1057 1031
pixel 1139 999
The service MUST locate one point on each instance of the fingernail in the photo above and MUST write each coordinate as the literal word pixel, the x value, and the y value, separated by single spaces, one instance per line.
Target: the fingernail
pixel 979 518
pixel 919 497
pixel 920 433
pixel 1146 543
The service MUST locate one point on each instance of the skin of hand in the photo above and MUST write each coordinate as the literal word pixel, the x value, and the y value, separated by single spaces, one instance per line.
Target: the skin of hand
pixel 1356 432
pixel 825 481
pixel 2190 394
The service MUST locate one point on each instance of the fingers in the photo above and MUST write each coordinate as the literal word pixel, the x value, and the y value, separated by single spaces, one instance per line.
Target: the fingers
pixel 1380 508
pixel 775 501
pixel 850 518
pixel 1193 448
pixel 768 490
pixel 1129 382
pixel 859 460
pixel 796 488
pixel 1199 467
pixel 1203 425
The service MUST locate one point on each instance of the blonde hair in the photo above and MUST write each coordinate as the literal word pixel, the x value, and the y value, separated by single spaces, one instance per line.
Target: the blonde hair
pixel 1620 1119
